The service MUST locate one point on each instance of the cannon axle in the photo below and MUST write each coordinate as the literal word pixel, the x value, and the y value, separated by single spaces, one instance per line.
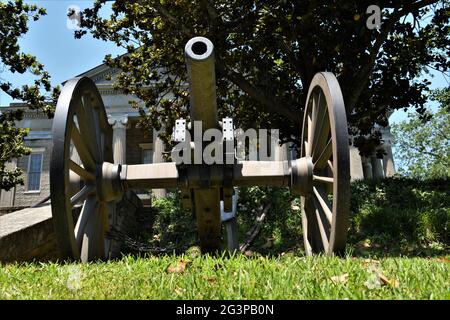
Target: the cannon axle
pixel 297 174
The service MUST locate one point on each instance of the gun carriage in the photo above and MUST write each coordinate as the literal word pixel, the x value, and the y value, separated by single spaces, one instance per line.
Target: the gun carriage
pixel 92 184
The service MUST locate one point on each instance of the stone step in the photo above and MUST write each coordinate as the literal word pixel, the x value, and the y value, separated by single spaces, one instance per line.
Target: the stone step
pixel 27 234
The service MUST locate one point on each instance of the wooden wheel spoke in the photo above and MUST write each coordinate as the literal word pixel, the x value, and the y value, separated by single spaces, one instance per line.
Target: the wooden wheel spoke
pixel 314 110
pixel 82 194
pixel 87 125
pixel 86 175
pixel 308 247
pixel 82 149
pixel 310 136
pixel 324 204
pixel 323 227
pixel 312 226
pixel 89 208
pixel 307 152
pixel 330 167
pixel 314 115
pixel 86 101
pixel 97 134
pixel 325 155
pixel 84 121
pixel 320 145
pixel 321 130
pixel 93 243
pixel 324 180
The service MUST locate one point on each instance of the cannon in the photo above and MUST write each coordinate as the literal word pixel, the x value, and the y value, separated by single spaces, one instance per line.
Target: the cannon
pixel 91 184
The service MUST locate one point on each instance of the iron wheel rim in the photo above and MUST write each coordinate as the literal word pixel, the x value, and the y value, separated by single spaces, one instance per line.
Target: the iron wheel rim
pixel 80 124
pixel 325 140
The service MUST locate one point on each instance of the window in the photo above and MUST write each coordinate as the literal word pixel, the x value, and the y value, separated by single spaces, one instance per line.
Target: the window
pixel 146 158
pixel 34 172
pixel 147 155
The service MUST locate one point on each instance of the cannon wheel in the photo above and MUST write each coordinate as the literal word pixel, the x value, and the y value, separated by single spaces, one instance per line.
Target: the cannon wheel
pixel 82 141
pixel 325 139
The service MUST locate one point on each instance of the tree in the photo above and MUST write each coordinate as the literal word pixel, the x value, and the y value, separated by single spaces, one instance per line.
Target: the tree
pixel 268 51
pixel 14 16
pixel 423 143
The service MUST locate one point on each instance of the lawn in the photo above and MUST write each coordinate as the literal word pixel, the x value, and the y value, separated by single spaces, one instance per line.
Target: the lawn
pixel 398 248
pixel 204 277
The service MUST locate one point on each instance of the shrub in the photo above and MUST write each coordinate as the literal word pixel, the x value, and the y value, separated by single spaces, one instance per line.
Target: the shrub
pixel 401 211
pixel 393 213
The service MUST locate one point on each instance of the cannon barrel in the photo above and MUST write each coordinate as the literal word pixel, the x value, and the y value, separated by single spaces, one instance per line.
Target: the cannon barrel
pixel 199 55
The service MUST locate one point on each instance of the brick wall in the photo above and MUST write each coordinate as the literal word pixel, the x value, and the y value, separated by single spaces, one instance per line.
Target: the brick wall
pixel 135 136
pixel 22 196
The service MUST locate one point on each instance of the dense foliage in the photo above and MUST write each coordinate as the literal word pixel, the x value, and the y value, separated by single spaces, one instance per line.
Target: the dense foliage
pixel 401 215
pixel 422 142
pixel 390 217
pixel 268 51
pixel 14 17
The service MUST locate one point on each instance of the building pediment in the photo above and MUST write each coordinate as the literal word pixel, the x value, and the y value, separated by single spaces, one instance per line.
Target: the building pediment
pixel 101 75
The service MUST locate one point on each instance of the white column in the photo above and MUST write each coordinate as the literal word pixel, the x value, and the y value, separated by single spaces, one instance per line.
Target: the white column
pixel 119 124
pixel 158 149
pixel 367 168
pixel 7 197
pixel 281 152
pixel 356 166
pixel 388 161
pixel 377 168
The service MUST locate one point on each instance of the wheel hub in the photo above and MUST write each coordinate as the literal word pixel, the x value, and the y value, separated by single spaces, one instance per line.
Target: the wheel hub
pixel 109 187
pixel 302 176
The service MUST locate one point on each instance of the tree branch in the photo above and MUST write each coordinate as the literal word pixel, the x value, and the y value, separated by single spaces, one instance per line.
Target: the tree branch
pixel 435 155
pixel 292 57
pixel 163 11
pixel 442 134
pixel 212 12
pixel 309 13
pixel 363 77
pixel 256 228
pixel 268 103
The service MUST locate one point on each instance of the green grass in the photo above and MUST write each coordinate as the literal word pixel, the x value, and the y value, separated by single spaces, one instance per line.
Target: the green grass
pixel 238 277
pixel 402 223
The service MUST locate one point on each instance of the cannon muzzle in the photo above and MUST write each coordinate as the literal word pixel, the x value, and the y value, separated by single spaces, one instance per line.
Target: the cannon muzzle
pixel 199 53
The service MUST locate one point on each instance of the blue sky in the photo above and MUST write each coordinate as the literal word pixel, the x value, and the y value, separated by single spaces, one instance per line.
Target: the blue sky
pixel 53 43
